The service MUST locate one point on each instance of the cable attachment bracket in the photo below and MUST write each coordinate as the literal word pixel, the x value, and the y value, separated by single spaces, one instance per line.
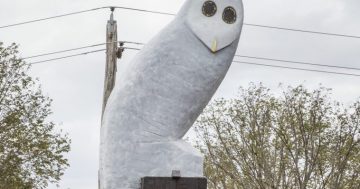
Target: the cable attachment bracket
pixel 120 50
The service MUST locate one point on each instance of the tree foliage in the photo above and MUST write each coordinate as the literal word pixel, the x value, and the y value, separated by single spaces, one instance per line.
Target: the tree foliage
pixel 300 139
pixel 31 152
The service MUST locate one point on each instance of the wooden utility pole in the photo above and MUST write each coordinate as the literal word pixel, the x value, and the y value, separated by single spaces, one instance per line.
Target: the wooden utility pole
pixel 112 54
pixel 111 58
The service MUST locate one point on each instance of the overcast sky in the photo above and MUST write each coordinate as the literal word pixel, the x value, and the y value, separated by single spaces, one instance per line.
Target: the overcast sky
pixel 76 84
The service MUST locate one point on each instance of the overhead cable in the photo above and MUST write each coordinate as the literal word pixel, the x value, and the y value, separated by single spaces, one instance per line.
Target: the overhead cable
pixel 298 62
pixel 78 48
pixel 258 25
pixel 144 10
pixel 63 57
pixel 62 51
pixel 49 18
pixel 303 31
pixel 74 55
pixel 293 68
pixel 237 55
pixel 235 61
pixel 172 14
pixel 280 60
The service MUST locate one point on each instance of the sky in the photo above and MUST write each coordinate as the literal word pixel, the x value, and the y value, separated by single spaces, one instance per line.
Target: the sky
pixel 76 84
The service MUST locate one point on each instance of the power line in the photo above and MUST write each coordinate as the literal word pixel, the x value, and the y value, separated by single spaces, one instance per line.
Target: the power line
pixel 132 48
pixel 239 62
pixel 63 57
pixel 172 14
pixel 293 68
pixel 49 18
pixel 67 50
pixel 281 60
pixel 74 55
pixel 147 11
pixel 243 56
pixel 303 31
pixel 298 62
pixel 84 11
pixel 132 42
pixel 259 25
pixel 78 48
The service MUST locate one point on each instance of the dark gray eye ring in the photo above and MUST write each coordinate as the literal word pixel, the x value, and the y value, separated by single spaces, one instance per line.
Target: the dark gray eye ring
pixel 209 8
pixel 229 15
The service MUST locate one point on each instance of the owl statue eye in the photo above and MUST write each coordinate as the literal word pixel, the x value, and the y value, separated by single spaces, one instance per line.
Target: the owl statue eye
pixel 209 8
pixel 229 15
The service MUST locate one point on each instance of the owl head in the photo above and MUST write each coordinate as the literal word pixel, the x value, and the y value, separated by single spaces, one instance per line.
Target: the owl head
pixel 217 23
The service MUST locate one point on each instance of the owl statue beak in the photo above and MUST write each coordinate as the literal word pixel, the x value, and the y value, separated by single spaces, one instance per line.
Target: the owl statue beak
pixel 214 46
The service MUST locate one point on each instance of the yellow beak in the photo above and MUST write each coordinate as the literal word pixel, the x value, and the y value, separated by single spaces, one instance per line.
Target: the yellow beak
pixel 214 46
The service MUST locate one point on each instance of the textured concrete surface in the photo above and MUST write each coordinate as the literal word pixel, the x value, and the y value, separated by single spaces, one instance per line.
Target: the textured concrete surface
pixel 160 96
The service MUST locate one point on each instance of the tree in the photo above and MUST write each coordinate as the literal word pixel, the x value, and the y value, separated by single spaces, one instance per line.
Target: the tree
pixel 31 151
pixel 300 139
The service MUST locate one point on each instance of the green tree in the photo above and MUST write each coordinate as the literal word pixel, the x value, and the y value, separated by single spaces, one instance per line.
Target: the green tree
pixel 297 140
pixel 31 151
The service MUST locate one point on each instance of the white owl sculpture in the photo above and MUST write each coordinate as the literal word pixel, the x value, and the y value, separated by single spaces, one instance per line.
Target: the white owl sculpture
pixel 163 91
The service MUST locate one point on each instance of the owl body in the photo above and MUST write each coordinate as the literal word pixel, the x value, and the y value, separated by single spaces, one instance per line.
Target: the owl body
pixel 154 104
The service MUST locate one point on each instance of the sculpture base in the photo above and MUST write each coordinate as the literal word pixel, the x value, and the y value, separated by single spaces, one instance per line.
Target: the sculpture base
pixel 173 183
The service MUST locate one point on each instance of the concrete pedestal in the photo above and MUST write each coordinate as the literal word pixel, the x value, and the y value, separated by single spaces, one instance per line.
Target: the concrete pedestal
pixel 173 183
